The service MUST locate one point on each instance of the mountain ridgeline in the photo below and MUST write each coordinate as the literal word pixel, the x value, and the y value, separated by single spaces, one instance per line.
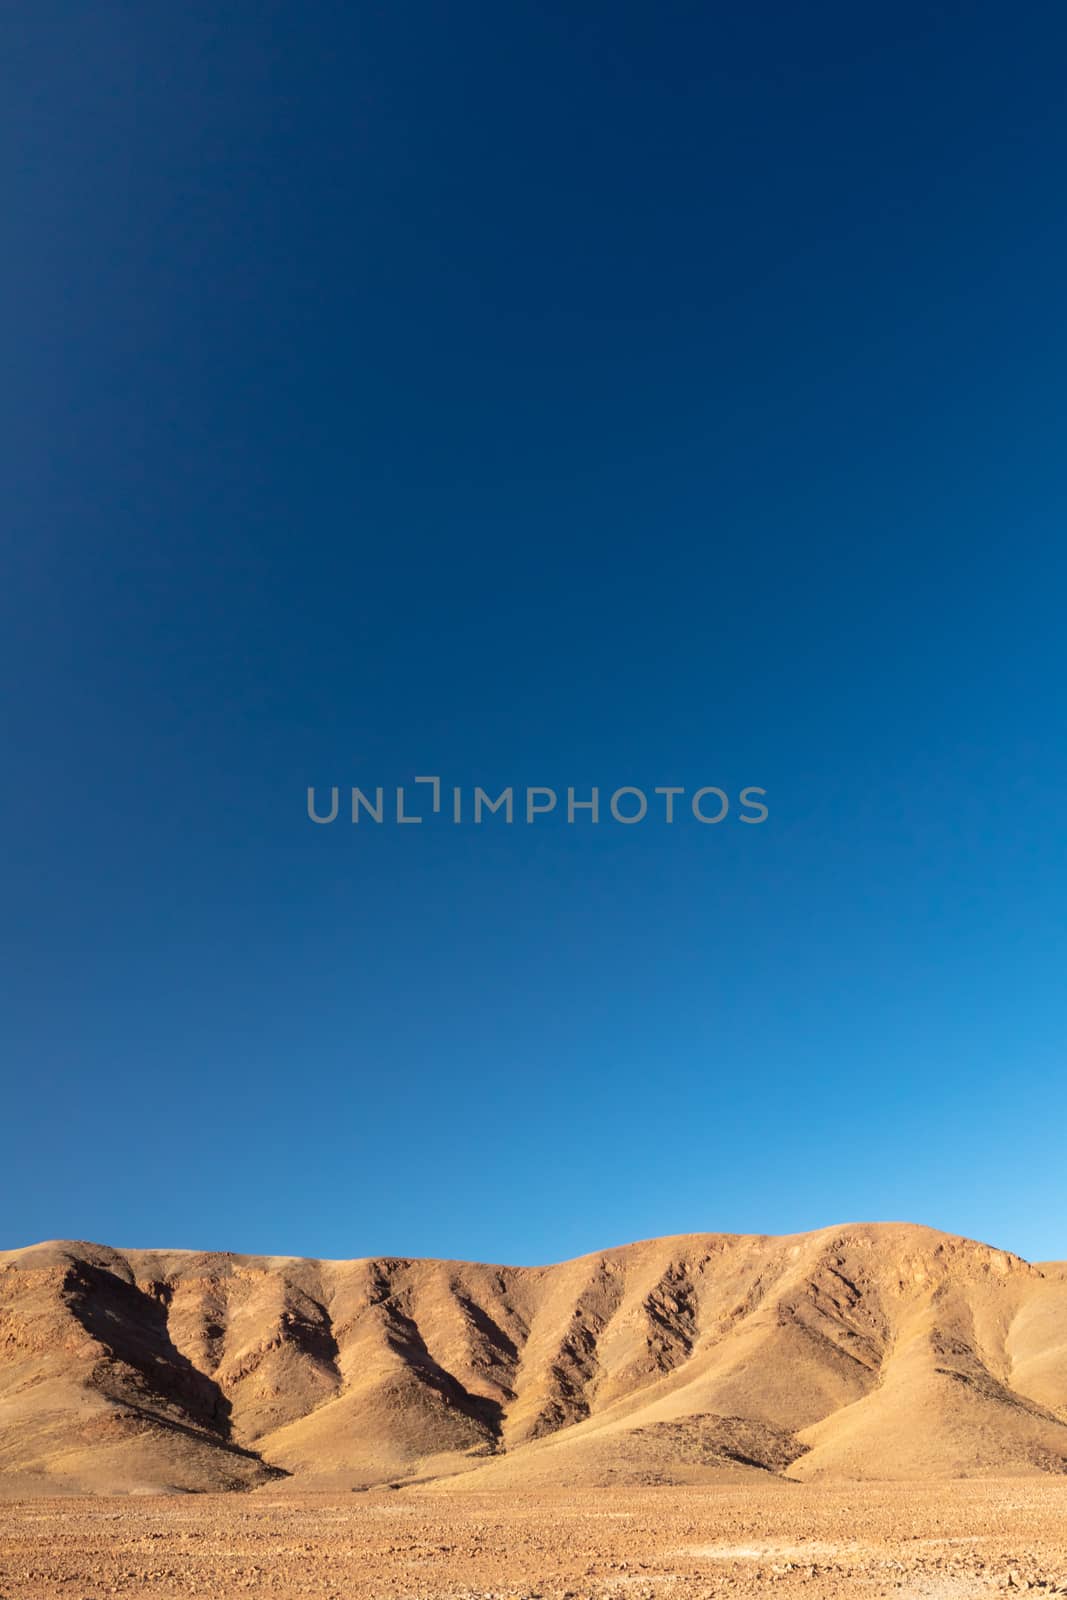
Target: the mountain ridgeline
pixel 865 1351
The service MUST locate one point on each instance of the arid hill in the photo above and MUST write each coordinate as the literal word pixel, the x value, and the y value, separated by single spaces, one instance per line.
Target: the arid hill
pixel 870 1351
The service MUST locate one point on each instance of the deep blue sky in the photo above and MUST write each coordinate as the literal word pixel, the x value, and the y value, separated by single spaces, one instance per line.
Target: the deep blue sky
pixel 532 394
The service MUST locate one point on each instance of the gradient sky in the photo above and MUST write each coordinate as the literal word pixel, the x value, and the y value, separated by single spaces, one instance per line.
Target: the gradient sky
pixel 532 394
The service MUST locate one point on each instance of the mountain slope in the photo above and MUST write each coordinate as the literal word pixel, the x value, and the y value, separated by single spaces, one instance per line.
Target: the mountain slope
pixel 880 1350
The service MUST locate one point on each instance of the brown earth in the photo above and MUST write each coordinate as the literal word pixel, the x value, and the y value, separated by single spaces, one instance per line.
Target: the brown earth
pixel 935 1541
pixel 866 1352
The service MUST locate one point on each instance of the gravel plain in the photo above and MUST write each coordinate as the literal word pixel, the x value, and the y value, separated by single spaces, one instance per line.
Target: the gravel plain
pixel 655 1543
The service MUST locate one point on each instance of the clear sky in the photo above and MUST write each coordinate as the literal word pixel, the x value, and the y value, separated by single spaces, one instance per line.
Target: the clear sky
pixel 532 394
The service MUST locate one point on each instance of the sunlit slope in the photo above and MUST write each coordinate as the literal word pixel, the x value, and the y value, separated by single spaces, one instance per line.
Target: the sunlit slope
pixel 867 1351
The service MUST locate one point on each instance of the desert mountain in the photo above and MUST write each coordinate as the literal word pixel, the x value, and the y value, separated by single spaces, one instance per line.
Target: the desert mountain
pixel 867 1351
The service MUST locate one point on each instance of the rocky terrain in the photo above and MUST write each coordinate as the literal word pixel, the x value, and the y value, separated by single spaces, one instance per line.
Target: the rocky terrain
pixel 866 1352
pixel 916 1541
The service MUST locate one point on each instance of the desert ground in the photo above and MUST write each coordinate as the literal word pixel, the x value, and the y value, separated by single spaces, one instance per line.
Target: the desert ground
pixel 937 1541
pixel 875 1409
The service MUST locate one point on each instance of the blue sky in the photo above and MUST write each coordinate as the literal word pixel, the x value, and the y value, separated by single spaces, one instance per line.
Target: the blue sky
pixel 622 397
